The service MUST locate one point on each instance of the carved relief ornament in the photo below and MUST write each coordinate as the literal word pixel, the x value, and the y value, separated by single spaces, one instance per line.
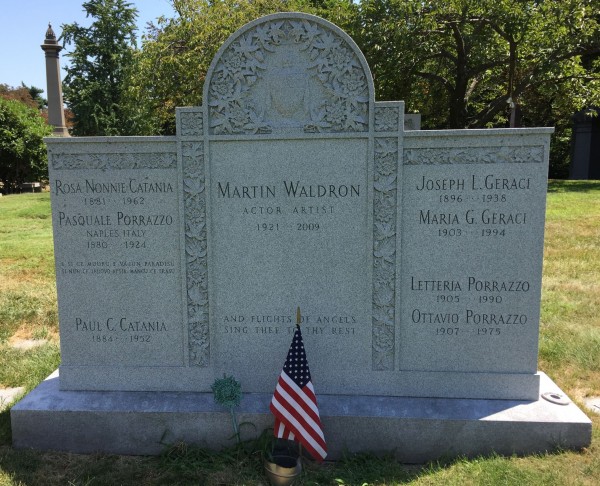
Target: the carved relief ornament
pixel 290 73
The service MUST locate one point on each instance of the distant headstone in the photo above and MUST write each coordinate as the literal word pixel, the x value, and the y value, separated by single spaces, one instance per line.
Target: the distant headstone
pixel 31 187
pixel 585 145
pixel 412 121
pixel 415 256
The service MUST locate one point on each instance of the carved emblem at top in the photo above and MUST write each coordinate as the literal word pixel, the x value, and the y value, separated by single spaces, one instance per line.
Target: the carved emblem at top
pixel 288 75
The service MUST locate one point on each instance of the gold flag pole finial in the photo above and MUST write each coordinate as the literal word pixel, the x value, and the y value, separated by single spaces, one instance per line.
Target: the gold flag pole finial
pixel 298 318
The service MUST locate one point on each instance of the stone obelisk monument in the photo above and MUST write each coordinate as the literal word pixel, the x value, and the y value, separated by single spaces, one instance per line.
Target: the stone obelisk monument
pixel 56 115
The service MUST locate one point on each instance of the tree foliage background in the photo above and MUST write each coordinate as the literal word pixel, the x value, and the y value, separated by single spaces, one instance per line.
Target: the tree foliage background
pixel 99 68
pixel 460 63
pixel 30 95
pixel 22 149
pixel 176 53
pixel 464 63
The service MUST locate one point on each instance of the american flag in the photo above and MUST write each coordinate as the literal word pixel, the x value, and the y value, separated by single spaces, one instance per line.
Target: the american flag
pixel 294 403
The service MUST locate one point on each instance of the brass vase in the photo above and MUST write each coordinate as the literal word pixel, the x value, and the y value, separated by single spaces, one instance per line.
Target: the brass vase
pixel 282 469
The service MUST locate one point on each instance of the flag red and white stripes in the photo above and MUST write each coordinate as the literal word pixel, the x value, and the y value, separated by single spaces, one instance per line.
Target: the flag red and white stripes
pixel 294 403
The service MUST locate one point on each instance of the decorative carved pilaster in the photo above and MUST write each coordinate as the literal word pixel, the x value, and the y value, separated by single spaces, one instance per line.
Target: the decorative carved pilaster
pixel 384 251
pixel 194 197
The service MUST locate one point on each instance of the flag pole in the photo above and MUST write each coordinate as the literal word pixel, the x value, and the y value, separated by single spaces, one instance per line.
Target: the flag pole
pixel 298 319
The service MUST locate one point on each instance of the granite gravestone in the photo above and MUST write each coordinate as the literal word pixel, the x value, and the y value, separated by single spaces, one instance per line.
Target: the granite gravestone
pixel 585 145
pixel 415 256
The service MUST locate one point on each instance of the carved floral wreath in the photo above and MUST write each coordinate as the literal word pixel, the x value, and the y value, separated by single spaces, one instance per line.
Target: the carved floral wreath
pixel 344 108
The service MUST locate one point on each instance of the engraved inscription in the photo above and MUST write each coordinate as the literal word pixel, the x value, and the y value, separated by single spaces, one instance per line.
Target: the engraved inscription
pixel 107 215
pixel 471 256
pixel 324 325
pixel 473 206
pixel 283 209
pixel 467 302
pixel 114 250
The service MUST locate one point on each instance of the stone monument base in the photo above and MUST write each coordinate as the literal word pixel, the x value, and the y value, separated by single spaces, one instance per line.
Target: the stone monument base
pixel 414 430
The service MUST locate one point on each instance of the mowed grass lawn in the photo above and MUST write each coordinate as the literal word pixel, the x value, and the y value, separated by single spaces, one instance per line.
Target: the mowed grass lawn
pixel 569 353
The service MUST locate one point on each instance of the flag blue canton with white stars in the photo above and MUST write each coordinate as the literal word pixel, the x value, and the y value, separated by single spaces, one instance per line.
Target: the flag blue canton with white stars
pixel 296 365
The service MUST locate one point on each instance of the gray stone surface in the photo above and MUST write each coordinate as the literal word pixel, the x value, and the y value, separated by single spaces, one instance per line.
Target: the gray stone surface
pixel 25 344
pixel 117 250
pixel 472 250
pixel 414 429
pixel 412 121
pixel 415 256
pixel 593 404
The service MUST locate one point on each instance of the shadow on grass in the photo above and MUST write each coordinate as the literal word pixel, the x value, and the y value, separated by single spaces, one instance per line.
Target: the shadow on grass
pixel 563 186
pixel 182 464
pixel 26 467
pixel 244 464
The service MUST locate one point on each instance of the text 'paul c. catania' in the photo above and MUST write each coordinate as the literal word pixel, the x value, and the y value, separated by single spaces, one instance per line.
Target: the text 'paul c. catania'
pixel 123 324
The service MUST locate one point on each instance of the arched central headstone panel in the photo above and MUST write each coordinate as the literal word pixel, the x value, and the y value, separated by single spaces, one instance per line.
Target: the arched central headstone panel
pixel 297 168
